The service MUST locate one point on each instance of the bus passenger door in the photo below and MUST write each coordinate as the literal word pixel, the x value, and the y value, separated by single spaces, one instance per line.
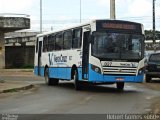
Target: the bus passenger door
pixel 39 57
pixel 85 57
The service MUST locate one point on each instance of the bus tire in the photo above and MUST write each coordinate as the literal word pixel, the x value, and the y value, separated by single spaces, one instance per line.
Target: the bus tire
pixel 120 86
pixel 50 81
pixel 55 81
pixel 77 84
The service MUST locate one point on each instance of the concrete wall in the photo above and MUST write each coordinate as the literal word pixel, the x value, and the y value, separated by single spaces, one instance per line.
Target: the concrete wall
pixel 19 56
pixel 2 50
pixel 19 49
pixel 10 24
pixel 14 23
pixel 20 38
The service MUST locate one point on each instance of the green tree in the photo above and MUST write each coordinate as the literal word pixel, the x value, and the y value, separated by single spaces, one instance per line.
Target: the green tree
pixel 149 34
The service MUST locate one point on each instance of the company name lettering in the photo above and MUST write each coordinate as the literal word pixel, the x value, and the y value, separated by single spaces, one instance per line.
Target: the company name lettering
pixel 125 64
pixel 58 59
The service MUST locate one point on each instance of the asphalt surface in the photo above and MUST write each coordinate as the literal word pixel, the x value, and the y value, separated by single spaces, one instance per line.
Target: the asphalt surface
pixel 63 99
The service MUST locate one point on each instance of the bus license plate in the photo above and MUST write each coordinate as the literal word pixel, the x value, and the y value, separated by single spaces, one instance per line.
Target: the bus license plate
pixel 119 79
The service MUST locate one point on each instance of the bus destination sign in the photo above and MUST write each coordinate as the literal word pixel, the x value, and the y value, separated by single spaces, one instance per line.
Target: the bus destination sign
pixel 118 26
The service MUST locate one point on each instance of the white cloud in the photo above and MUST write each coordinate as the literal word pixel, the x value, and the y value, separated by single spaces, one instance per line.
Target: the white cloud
pixel 65 17
pixel 14 6
pixel 140 8
pixel 134 10
pixel 104 3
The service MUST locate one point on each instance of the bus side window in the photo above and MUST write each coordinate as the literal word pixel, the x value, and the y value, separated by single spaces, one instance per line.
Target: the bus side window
pixel 45 44
pixel 49 42
pixel 67 39
pixel 76 42
pixel 59 41
pixel 53 42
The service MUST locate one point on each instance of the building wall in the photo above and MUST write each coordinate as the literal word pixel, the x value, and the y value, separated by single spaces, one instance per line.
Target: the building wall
pixel 19 56
pixel 2 50
pixel 19 49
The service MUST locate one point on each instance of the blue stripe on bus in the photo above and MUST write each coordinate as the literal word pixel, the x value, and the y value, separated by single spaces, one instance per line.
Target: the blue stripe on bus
pixel 61 73
pixel 36 70
pixel 41 71
pixel 96 77
pixel 65 73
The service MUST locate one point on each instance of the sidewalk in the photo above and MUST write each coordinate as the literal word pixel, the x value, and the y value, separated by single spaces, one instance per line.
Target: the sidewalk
pixel 16 72
pixel 13 86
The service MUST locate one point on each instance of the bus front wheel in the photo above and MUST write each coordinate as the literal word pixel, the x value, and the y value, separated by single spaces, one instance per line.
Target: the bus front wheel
pixel 120 85
pixel 77 83
pixel 50 81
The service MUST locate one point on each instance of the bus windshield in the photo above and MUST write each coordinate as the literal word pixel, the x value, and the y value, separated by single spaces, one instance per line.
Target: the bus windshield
pixel 117 46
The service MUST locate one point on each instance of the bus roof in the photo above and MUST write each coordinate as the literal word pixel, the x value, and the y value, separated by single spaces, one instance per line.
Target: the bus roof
pixel 80 25
pixel 65 28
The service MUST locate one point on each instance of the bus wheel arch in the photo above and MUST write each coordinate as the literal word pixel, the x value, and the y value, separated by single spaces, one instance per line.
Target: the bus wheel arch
pixel 74 76
pixel 46 75
pixel 49 81
pixel 73 69
pixel 46 67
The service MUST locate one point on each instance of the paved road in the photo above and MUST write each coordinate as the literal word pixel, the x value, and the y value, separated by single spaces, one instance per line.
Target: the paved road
pixel 64 99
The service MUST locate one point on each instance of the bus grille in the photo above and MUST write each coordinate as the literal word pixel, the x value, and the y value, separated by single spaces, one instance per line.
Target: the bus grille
pixel 118 70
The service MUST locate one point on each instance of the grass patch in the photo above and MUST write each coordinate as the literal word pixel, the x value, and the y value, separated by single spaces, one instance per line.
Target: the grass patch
pixel 10 90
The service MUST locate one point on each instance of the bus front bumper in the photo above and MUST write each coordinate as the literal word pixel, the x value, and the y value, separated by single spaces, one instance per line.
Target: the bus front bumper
pixel 100 78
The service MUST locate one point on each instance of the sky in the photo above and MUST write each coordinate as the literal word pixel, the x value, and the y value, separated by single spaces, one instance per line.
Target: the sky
pixel 60 13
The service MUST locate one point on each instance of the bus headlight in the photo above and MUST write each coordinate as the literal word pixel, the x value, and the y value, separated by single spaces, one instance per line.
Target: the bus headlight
pixel 96 69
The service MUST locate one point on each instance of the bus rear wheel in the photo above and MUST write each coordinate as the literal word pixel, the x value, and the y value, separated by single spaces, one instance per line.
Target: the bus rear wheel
pixel 77 84
pixel 50 81
pixel 120 85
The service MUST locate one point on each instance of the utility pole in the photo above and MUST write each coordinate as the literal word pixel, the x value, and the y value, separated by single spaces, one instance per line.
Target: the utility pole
pixel 80 9
pixel 112 10
pixel 154 41
pixel 154 22
pixel 40 16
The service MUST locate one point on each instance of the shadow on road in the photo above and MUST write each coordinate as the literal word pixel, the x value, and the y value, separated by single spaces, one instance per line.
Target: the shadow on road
pixel 95 88
pixel 155 81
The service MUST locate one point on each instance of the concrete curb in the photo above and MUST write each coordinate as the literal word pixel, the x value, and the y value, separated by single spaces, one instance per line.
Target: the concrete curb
pixel 17 89
pixel 16 70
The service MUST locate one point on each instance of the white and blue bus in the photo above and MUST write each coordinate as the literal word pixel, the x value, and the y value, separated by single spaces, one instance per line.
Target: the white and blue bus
pixel 98 52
